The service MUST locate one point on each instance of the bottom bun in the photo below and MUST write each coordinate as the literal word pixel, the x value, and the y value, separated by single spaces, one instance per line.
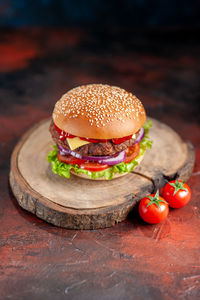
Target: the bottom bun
pixel 116 175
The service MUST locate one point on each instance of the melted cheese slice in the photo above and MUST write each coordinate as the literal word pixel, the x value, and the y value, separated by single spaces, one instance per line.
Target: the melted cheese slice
pixel 76 142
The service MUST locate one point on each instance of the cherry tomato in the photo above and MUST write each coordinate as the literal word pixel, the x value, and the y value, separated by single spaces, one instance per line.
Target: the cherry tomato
pixel 153 208
pixel 132 152
pixel 69 159
pixel 176 193
pixel 93 166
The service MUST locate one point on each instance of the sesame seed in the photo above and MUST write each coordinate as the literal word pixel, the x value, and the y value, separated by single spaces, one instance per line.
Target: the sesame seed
pixel 100 104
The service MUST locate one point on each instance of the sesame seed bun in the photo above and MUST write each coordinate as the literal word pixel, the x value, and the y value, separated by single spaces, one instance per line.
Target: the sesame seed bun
pixel 116 175
pixel 99 111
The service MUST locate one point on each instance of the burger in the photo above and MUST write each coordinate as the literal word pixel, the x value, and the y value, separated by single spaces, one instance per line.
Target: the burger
pixel 100 132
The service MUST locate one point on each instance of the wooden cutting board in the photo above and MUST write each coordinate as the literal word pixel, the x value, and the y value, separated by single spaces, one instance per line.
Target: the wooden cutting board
pixel 79 203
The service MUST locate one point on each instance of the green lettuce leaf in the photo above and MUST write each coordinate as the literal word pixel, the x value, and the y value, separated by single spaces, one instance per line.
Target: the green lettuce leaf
pixel 146 142
pixel 63 169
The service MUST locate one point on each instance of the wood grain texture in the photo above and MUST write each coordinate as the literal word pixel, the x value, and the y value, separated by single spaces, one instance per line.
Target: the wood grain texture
pixel 87 204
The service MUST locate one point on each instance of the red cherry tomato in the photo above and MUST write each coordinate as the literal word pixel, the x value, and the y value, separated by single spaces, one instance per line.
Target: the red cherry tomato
pixel 93 166
pixel 132 152
pixel 69 159
pixel 176 193
pixel 153 209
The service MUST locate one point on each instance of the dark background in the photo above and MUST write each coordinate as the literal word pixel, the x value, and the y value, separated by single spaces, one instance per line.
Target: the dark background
pixel 139 13
pixel 146 46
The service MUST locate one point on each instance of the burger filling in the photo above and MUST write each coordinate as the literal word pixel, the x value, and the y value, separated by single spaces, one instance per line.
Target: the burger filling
pixel 97 158
pixel 99 147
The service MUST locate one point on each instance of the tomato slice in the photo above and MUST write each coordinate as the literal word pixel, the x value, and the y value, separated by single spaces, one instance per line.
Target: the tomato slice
pixel 132 152
pixel 93 166
pixel 69 159
pixel 121 140
pixel 89 140
pixel 90 166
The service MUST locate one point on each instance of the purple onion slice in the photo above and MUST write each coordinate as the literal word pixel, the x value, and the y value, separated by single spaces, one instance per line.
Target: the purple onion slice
pixel 140 135
pixel 63 151
pixel 108 160
pixel 113 160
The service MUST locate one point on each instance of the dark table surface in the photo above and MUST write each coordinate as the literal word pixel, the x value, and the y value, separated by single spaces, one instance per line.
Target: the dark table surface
pixel 132 260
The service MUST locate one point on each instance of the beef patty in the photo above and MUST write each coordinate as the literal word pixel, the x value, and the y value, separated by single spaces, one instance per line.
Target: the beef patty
pixel 92 149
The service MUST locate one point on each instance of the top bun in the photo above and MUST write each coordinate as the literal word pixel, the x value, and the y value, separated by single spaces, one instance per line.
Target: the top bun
pixel 99 111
